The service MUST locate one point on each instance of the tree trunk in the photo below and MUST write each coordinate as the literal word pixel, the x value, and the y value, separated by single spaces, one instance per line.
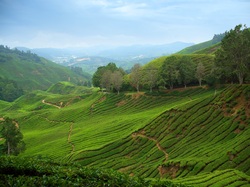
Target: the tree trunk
pixel 8 148
pixel 137 87
pixel 200 82
pixel 240 78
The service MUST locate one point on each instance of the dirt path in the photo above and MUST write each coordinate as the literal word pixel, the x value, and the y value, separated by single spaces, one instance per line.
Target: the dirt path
pixel 46 103
pixel 142 134
pixel 69 141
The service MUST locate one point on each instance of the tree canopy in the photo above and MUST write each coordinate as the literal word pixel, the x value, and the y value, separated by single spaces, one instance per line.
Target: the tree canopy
pixel 233 58
pixel 13 137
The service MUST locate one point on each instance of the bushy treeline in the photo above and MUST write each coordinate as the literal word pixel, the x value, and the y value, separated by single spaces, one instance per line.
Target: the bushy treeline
pixel 9 90
pixel 6 52
pixel 231 64
pixel 16 171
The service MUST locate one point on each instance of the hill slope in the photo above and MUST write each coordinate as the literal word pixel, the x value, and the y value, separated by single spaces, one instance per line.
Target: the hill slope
pixel 32 72
pixel 196 137
pixel 196 49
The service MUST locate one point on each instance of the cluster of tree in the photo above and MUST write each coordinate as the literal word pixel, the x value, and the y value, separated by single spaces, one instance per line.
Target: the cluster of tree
pixel 174 71
pixel 13 137
pixel 218 37
pixel 232 60
pixel 6 54
pixel 109 77
pixel 9 90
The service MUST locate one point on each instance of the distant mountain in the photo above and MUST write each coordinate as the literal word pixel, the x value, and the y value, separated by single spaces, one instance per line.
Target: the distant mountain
pixel 143 51
pixel 32 72
pixel 88 63
pixel 91 63
pixel 90 58
pixel 202 46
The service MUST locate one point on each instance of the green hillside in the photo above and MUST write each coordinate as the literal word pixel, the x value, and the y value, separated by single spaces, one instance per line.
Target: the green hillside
pixel 154 137
pixel 32 72
pixel 206 59
pixel 207 47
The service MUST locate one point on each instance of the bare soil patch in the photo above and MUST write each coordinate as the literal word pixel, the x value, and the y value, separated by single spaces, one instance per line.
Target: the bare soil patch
pixel 121 103
pixel 171 170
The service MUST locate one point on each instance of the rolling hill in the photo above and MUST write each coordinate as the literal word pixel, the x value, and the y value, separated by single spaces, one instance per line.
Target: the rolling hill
pixel 32 72
pixel 197 136
pixel 208 47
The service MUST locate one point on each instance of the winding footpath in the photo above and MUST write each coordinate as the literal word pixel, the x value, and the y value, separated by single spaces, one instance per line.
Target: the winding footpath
pixel 46 103
pixel 142 134
pixel 69 141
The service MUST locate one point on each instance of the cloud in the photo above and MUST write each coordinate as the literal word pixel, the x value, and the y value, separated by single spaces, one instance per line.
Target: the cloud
pixel 116 22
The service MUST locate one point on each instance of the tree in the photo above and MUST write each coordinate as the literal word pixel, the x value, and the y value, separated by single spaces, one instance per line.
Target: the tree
pixel 13 137
pixel 96 79
pixel 117 80
pixel 186 70
pixel 169 71
pixel 233 58
pixel 136 76
pixel 98 75
pixel 106 80
pixel 150 76
pixel 200 72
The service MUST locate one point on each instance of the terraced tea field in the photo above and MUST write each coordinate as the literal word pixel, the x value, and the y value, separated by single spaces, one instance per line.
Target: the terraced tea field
pixel 197 136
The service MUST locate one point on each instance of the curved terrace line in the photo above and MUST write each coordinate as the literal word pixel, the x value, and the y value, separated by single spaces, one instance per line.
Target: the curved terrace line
pixel 142 134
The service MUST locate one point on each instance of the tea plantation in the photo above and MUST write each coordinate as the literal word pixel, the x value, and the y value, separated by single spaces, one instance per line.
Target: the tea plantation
pixel 195 136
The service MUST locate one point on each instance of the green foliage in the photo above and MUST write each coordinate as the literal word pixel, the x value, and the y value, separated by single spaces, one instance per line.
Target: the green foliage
pixel 31 72
pixel 204 47
pixel 13 137
pixel 169 72
pixel 9 90
pixel 46 172
pixel 233 59
pixel 109 77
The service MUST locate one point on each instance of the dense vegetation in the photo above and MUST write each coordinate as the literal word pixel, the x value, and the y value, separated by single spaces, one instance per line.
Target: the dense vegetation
pixel 9 90
pixel 30 72
pixel 46 172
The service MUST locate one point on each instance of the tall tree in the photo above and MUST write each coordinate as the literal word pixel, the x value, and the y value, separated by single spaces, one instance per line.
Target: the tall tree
pixel 13 137
pixel 136 76
pixel 200 72
pixel 150 76
pixel 117 80
pixel 98 75
pixel 96 79
pixel 186 70
pixel 169 71
pixel 233 58
pixel 106 80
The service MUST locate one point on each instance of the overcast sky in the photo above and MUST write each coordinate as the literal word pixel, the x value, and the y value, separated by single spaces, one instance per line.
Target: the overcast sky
pixel 81 23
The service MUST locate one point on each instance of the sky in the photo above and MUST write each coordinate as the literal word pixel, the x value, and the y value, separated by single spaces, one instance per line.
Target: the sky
pixel 88 23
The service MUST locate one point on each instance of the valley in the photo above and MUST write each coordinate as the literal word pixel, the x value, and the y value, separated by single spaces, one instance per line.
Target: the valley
pixel 179 120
